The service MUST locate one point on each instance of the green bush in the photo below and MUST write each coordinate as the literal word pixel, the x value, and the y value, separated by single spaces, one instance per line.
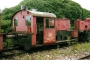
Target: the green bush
pixel 6 26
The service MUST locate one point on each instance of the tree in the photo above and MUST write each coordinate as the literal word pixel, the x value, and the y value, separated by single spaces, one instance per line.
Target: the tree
pixel 62 8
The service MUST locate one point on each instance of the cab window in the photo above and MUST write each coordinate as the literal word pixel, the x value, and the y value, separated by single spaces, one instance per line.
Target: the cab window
pixel 15 21
pixel 47 23
pixel 50 22
pixel 28 20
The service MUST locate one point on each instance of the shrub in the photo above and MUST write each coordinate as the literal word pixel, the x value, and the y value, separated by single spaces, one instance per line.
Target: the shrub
pixel 6 26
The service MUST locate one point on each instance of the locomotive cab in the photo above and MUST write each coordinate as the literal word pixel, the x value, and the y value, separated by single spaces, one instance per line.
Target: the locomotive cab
pixel 35 27
pixel 22 22
pixel 45 30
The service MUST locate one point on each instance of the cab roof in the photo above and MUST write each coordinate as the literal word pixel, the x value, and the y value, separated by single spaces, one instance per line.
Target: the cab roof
pixel 38 14
pixel 43 14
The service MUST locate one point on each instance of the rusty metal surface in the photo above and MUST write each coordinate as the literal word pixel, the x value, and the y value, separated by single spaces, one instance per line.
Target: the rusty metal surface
pixel 33 31
pixel 82 25
pixel 49 36
pixel 87 24
pixel 62 24
pixel 79 25
pixel 74 33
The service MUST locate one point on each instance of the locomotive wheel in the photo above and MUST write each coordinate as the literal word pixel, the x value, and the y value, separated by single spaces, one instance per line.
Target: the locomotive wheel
pixel 26 48
pixel 88 36
pixel 83 36
pixel 0 53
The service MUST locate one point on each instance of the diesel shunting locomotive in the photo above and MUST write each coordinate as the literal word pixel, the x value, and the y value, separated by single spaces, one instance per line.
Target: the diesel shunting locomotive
pixel 31 28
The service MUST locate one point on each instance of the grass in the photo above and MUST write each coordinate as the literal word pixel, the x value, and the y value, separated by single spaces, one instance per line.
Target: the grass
pixel 9 42
pixel 55 53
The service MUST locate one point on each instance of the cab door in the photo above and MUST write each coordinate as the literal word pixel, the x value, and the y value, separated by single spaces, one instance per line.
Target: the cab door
pixel 49 31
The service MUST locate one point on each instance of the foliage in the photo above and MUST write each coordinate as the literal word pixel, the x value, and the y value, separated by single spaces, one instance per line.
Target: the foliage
pixel 62 8
pixel 67 8
pixel 85 13
pixel 6 26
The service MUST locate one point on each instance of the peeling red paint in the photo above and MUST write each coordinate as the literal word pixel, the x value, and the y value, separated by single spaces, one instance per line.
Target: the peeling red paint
pixel 62 24
pixel 33 27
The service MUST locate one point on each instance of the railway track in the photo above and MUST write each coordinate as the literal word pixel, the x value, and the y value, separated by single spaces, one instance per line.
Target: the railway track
pixel 87 57
pixel 11 52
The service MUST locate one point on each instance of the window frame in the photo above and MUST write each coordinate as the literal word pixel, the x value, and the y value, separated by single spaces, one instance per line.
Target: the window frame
pixel 29 20
pixel 49 27
pixel 15 21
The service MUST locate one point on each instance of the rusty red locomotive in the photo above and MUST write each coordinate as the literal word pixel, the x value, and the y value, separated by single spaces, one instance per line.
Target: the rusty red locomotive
pixel 34 28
